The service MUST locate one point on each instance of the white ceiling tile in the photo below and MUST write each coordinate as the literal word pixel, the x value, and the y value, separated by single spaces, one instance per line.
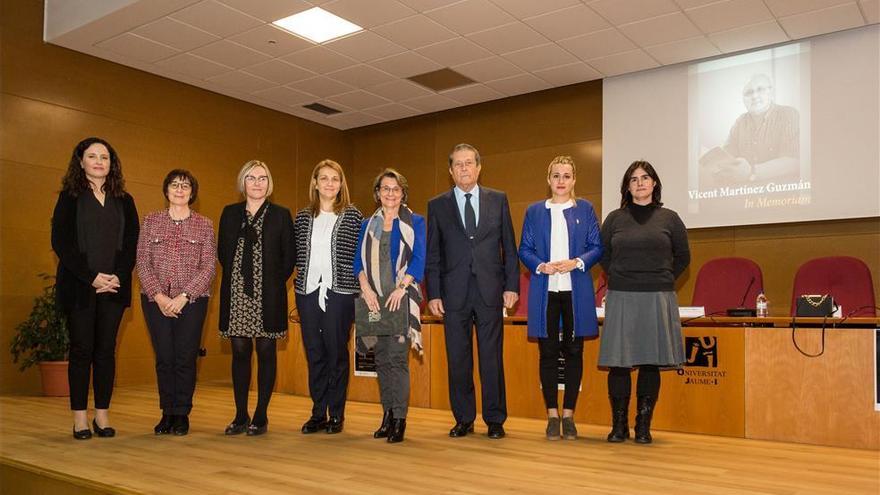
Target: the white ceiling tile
pixel 488 69
pixel 426 5
pixel 568 22
pixel 415 31
pixel 393 111
pixel 319 59
pixel 470 16
pixel 517 85
pixel 350 120
pixel 871 10
pixel 660 29
pixel 321 86
pixel 508 38
pixel 431 103
pixel 683 50
pixel 271 40
pixel 358 100
pixel 746 37
pixel 241 82
pixel 568 74
pixel 623 63
pixel 216 18
pixel 370 13
pixel 398 90
pixel 193 66
pixel 783 8
pixel 454 52
pixel 269 10
pixel 475 93
pixel 136 47
pixel 729 14
pixel 361 76
pixel 285 96
pixel 364 46
pixel 175 34
pixel 231 54
pixel 622 12
pixel 823 21
pixel 406 64
pixel 598 44
pixel 530 8
pixel 689 4
pixel 280 72
pixel 541 57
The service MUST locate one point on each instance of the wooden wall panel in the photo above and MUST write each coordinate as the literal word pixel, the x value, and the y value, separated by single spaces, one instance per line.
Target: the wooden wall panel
pixel 826 400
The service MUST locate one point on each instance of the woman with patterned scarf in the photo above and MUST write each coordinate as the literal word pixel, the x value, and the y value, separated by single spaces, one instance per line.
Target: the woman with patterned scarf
pixel 389 266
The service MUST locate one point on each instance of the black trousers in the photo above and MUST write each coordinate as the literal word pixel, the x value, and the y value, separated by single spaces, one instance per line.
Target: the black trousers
pixel 93 332
pixel 325 337
pixel 560 341
pixel 458 330
pixel 176 344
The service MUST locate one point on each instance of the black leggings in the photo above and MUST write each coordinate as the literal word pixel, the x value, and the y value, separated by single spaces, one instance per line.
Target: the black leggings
pixel 242 347
pixel 620 382
pixel 560 341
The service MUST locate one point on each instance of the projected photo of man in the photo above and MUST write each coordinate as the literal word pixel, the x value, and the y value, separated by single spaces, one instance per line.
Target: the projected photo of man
pixel 763 143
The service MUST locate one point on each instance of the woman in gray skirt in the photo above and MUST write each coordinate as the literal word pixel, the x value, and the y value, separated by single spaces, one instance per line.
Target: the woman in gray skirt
pixel 645 250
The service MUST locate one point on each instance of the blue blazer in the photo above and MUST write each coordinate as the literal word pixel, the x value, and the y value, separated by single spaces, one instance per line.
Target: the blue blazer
pixel 416 266
pixel 584 242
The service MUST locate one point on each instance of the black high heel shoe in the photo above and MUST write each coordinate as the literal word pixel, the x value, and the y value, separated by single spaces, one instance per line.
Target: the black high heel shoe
pixel 107 432
pixel 82 434
pixel 164 425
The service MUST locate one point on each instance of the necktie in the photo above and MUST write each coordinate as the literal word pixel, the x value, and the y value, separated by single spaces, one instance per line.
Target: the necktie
pixel 470 217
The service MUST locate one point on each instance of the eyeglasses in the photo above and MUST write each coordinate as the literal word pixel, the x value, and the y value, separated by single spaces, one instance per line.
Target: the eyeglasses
pixel 390 190
pixel 250 179
pixel 183 186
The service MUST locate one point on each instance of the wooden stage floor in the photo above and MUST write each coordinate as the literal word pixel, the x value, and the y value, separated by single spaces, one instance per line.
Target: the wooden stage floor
pixel 38 455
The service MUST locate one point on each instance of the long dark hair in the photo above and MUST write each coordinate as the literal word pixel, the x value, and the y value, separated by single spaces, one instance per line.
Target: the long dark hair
pixel 75 181
pixel 626 196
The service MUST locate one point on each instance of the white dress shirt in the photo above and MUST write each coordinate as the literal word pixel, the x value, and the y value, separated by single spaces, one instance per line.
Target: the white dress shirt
pixel 320 257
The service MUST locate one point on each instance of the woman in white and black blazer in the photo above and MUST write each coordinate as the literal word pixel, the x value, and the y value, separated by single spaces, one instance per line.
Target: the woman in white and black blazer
pixel 326 234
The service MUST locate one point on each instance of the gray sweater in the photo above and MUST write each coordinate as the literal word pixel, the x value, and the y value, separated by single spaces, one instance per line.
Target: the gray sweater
pixel 645 248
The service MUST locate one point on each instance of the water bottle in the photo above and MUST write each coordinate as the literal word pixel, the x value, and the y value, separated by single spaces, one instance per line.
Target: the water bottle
pixel 761 305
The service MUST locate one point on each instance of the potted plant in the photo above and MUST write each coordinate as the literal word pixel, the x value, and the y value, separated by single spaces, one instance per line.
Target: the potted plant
pixel 43 339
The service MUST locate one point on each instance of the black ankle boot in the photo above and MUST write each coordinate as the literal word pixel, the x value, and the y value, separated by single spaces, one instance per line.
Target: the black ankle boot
pixel 619 419
pixel 163 427
pixel 644 412
pixel 383 430
pixel 398 426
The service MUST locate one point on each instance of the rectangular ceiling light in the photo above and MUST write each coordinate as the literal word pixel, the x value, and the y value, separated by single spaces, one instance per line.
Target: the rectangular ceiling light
pixel 318 25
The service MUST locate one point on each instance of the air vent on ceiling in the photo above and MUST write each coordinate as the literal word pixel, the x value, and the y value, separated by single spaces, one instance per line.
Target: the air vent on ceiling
pixel 322 108
pixel 441 80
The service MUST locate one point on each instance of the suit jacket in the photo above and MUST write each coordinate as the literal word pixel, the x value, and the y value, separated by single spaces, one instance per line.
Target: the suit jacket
pixel 452 257
pixel 73 281
pixel 584 242
pixel 279 258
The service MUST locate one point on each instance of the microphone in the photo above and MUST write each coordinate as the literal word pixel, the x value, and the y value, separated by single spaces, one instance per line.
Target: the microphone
pixel 741 311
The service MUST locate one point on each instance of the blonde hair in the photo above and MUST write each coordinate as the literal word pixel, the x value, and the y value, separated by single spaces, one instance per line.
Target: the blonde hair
pixel 564 160
pixel 246 169
pixel 343 200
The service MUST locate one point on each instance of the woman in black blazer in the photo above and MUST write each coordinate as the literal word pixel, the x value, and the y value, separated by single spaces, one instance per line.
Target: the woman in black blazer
pixel 94 233
pixel 256 253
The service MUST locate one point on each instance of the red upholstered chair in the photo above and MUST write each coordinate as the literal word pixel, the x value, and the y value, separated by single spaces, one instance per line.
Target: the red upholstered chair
pixel 725 283
pixel 601 287
pixel 423 306
pixel 522 305
pixel 847 279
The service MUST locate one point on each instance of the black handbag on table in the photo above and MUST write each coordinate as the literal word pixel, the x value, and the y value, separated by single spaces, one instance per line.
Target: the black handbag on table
pixel 821 305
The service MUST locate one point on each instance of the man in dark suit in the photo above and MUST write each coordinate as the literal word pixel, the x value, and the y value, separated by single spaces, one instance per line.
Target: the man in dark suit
pixel 472 270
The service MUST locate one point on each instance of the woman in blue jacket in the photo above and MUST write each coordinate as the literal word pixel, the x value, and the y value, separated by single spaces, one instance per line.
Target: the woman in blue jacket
pixel 560 242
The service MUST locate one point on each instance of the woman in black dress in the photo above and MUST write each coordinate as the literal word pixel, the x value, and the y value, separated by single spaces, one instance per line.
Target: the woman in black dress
pixel 256 253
